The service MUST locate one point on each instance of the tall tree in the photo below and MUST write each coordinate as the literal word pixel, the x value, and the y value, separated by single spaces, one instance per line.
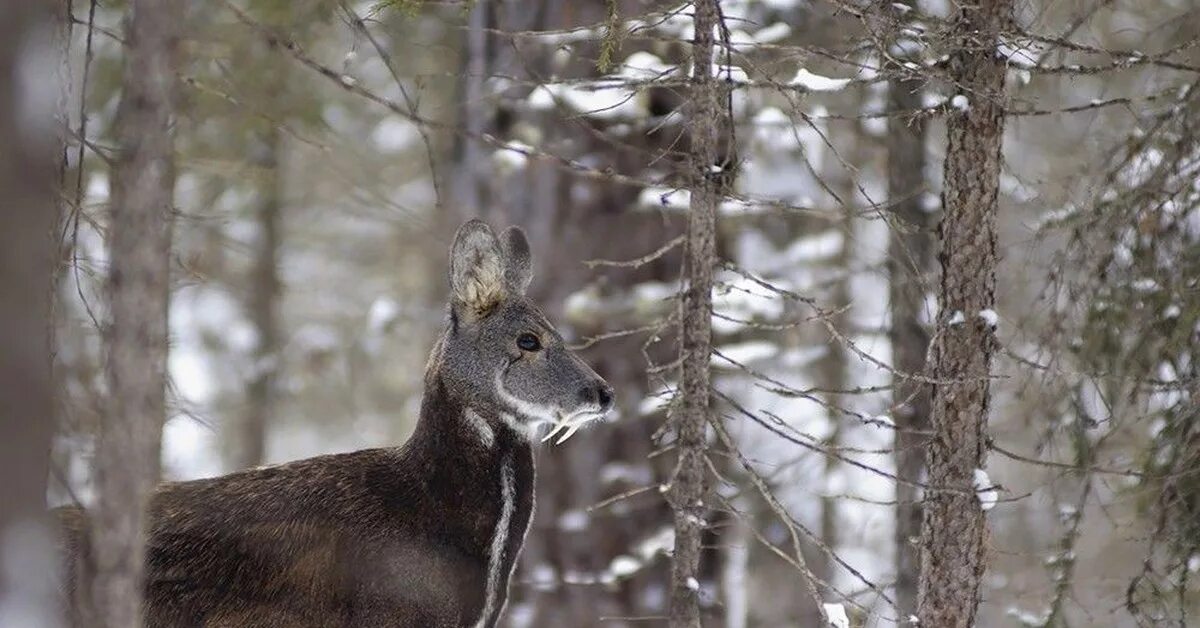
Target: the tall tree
pixel 472 166
pixel 910 257
pixel 835 374
pixel 28 169
pixel 127 450
pixel 687 487
pixel 248 448
pixel 954 531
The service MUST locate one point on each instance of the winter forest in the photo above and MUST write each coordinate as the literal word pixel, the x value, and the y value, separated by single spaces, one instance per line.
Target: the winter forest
pixel 899 301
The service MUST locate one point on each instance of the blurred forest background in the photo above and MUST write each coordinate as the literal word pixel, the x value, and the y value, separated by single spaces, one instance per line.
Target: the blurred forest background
pixel 325 150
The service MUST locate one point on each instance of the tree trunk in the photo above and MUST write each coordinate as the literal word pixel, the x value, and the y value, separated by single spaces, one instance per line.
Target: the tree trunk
pixel 835 368
pixel 910 257
pixel 28 174
pixel 687 487
pixel 954 533
pixel 127 451
pixel 834 379
pixel 248 442
pixel 471 163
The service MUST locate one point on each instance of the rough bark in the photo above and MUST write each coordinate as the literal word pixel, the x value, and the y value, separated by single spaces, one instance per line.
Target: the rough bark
pixel 910 258
pixel 953 535
pixel 248 446
pixel 687 486
pixel 28 175
pixel 127 450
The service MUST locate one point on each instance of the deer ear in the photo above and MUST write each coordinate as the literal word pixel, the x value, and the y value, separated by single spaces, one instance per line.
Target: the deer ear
pixel 477 275
pixel 518 260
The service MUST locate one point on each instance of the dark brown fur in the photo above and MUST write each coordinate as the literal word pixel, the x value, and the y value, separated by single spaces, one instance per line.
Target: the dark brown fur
pixel 380 537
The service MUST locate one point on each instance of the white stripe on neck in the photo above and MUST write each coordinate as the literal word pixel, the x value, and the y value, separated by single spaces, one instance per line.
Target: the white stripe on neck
pixel 499 540
pixel 479 425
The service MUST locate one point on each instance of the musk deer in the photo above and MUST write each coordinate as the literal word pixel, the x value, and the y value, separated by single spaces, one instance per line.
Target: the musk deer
pixel 424 535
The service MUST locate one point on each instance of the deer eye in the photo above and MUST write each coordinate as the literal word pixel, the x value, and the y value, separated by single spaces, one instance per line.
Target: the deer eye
pixel 528 342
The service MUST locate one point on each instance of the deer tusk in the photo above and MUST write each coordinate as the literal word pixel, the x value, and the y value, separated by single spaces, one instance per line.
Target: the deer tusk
pixel 558 427
pixel 574 423
pixel 570 432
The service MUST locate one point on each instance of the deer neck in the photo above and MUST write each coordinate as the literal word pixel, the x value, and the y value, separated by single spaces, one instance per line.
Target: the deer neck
pixel 472 439
pixel 480 471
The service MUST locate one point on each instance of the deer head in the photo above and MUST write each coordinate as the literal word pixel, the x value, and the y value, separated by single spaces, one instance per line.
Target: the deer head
pixel 499 355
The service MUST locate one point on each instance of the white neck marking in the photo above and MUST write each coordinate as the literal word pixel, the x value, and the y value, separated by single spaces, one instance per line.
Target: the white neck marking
pixel 479 426
pixel 499 540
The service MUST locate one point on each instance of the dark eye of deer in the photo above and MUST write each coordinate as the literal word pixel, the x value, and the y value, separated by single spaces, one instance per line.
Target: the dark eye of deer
pixel 528 342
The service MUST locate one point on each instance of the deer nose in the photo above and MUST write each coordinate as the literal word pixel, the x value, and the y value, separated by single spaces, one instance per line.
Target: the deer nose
pixel 605 397
pixel 598 393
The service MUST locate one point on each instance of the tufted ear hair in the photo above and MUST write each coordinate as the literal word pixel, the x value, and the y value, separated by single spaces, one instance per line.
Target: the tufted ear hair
pixel 518 271
pixel 477 270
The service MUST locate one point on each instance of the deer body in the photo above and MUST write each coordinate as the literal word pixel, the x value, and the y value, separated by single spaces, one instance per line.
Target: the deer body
pixel 425 535
pixel 381 537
